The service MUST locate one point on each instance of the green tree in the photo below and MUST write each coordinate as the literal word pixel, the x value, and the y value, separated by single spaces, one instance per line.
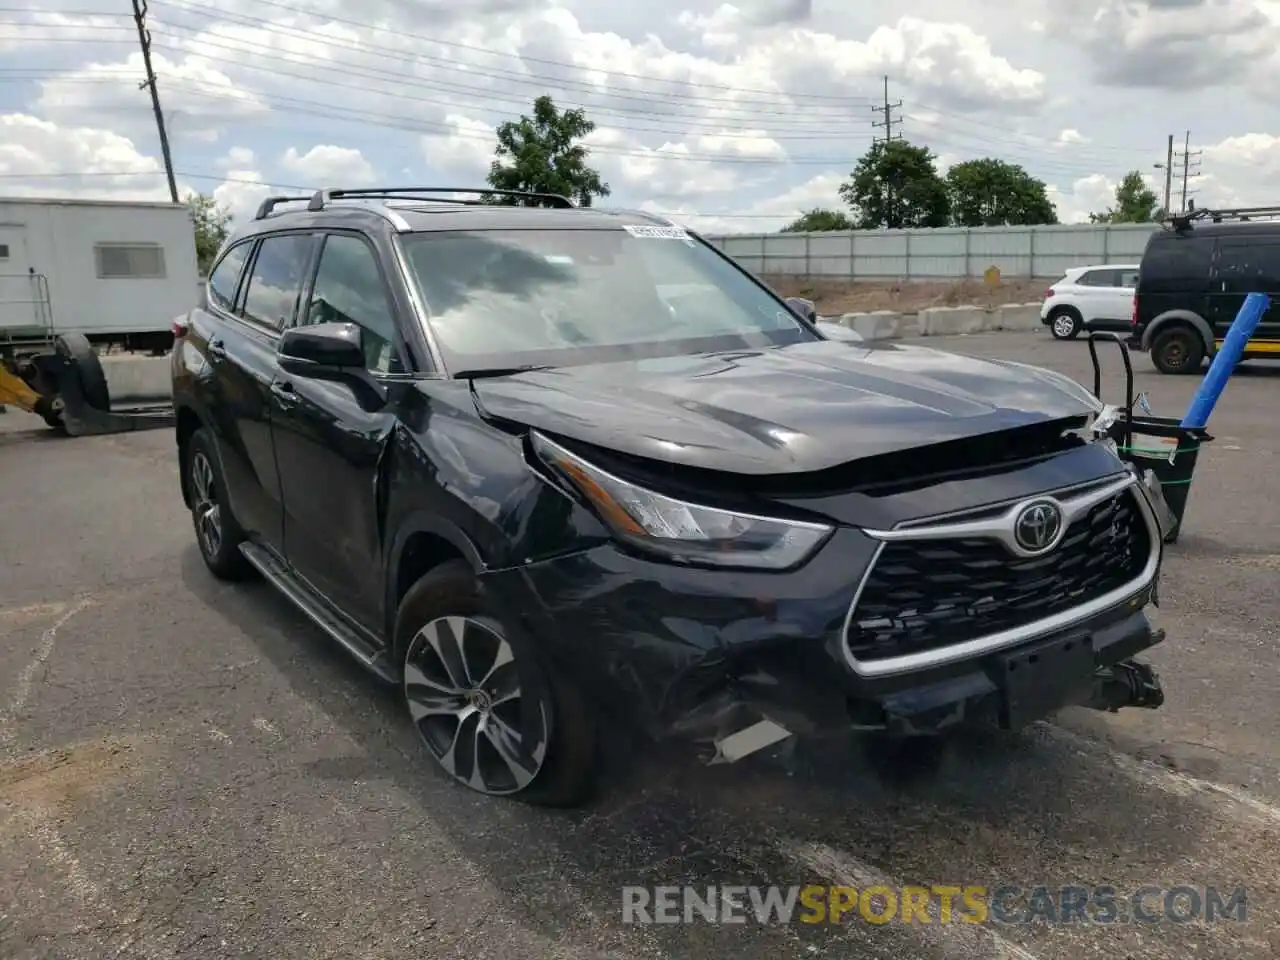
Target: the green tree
pixel 992 193
pixel 1135 202
pixel 212 222
pixel 542 154
pixel 896 185
pixel 818 220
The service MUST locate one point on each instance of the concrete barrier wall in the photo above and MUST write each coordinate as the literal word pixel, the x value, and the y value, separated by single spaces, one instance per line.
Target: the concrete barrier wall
pixel 132 377
pixel 941 321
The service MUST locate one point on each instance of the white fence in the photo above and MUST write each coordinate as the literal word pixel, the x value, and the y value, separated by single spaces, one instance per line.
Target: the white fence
pixel 945 253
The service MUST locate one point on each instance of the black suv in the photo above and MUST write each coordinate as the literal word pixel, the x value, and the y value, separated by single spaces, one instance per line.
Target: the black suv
pixel 1194 277
pixel 548 468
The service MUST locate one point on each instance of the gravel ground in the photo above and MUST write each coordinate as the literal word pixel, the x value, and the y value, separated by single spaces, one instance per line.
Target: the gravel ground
pixel 189 769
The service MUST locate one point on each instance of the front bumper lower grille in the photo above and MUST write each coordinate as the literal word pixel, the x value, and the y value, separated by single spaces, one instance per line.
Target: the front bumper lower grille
pixel 925 594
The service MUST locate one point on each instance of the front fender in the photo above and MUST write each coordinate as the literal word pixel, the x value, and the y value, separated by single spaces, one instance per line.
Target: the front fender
pixel 1180 316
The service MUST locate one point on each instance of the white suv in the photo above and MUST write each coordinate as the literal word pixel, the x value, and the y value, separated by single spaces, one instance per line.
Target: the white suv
pixel 1093 298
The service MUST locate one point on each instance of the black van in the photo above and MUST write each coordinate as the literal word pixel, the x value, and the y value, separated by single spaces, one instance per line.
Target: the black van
pixel 1194 276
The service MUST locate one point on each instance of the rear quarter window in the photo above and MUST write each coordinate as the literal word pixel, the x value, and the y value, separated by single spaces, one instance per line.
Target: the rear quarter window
pixel 1176 263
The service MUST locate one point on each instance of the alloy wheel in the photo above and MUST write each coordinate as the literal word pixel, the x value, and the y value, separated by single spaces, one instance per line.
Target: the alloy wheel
pixel 463 690
pixel 1063 325
pixel 208 512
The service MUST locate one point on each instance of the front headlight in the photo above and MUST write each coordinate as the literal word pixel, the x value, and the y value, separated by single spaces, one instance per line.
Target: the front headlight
pixel 680 531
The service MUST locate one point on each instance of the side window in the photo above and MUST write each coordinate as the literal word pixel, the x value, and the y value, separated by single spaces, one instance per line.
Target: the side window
pixel 1090 278
pixel 349 289
pixel 1249 266
pixel 226 276
pixel 1126 278
pixel 276 281
pixel 1176 264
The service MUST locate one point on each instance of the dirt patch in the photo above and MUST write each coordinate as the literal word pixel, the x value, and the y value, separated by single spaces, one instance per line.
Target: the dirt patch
pixel 53 777
pixel 834 297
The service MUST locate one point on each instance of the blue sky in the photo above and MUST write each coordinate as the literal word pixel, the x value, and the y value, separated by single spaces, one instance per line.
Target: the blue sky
pixel 732 118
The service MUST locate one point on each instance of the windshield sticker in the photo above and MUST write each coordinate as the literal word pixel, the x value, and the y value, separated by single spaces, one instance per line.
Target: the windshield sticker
pixel 657 233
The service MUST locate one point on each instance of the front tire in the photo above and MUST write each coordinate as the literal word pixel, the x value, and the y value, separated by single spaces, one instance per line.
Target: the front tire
pixel 493 714
pixel 1177 351
pixel 217 533
pixel 1065 323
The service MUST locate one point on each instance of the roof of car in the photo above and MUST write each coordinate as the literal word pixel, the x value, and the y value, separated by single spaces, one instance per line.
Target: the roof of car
pixel 431 209
pixel 1211 229
pixel 1104 266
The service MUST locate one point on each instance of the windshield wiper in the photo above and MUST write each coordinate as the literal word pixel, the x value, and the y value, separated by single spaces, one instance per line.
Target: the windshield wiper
pixel 485 372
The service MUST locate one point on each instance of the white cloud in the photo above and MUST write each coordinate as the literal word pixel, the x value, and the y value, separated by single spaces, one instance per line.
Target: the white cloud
pixel 327 165
pixel 241 193
pixel 238 157
pixel 745 113
pixel 200 99
pixel 39 158
pixel 466 150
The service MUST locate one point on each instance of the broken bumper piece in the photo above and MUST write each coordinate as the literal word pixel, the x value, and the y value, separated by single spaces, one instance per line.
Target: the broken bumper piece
pixel 1008 690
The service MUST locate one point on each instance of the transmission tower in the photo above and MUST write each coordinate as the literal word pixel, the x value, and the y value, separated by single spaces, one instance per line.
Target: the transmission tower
pixel 889 120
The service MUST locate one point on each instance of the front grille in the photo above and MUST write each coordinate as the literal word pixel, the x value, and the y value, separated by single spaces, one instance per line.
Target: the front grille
pixel 927 594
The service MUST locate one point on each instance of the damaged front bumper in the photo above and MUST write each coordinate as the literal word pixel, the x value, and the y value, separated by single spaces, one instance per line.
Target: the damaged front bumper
pixel 679 659
pixel 1092 666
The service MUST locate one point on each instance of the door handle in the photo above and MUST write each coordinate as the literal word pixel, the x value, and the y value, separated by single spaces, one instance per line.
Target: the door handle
pixel 217 349
pixel 284 393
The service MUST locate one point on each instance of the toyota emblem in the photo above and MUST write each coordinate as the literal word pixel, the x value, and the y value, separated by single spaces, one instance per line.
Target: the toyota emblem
pixel 1037 526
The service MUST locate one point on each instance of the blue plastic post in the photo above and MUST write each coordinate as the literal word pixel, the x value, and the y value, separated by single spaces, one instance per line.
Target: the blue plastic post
pixel 1224 362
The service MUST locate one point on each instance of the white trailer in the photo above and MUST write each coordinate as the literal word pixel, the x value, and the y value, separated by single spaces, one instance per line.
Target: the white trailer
pixel 114 272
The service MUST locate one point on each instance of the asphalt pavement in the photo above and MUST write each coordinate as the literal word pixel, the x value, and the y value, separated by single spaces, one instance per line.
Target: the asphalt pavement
pixel 190 769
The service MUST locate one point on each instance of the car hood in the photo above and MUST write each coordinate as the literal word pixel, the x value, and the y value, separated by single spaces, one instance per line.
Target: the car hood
pixel 790 409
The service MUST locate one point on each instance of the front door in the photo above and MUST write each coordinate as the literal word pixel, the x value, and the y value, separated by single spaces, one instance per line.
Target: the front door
pixel 241 351
pixel 329 448
pixel 1245 265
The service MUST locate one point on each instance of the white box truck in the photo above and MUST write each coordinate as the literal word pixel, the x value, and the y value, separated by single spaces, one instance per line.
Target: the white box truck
pixel 115 272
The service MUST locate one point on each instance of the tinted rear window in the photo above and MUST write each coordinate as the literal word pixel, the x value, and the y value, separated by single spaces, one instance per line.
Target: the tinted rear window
pixel 1174 263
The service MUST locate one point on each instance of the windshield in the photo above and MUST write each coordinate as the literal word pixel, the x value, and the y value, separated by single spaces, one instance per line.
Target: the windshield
pixel 509 298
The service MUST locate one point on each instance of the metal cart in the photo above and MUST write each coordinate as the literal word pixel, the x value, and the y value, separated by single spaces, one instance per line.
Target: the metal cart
pixel 1160 445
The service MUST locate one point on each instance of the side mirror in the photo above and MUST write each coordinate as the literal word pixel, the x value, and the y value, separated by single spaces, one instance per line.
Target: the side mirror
pixel 321 349
pixel 803 308
pixel 334 352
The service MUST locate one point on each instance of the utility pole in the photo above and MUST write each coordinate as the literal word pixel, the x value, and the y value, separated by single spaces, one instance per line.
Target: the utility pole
pixel 144 38
pixel 1168 177
pixel 889 137
pixel 1190 161
pixel 888 120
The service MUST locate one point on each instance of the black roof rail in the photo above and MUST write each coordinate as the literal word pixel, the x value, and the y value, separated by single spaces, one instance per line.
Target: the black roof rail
pixel 321 198
pixel 1182 221
pixel 269 204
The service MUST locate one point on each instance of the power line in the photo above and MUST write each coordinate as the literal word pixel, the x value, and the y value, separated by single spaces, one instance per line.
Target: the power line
pixel 144 38
pixel 652 98
pixel 957 139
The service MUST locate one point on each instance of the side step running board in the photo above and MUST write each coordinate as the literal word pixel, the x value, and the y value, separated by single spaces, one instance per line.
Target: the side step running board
pixel 305 599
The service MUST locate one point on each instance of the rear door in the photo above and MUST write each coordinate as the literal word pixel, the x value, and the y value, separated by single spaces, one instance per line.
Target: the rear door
pixel 1115 298
pixel 1175 275
pixel 242 354
pixel 1244 264
pixel 1093 291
